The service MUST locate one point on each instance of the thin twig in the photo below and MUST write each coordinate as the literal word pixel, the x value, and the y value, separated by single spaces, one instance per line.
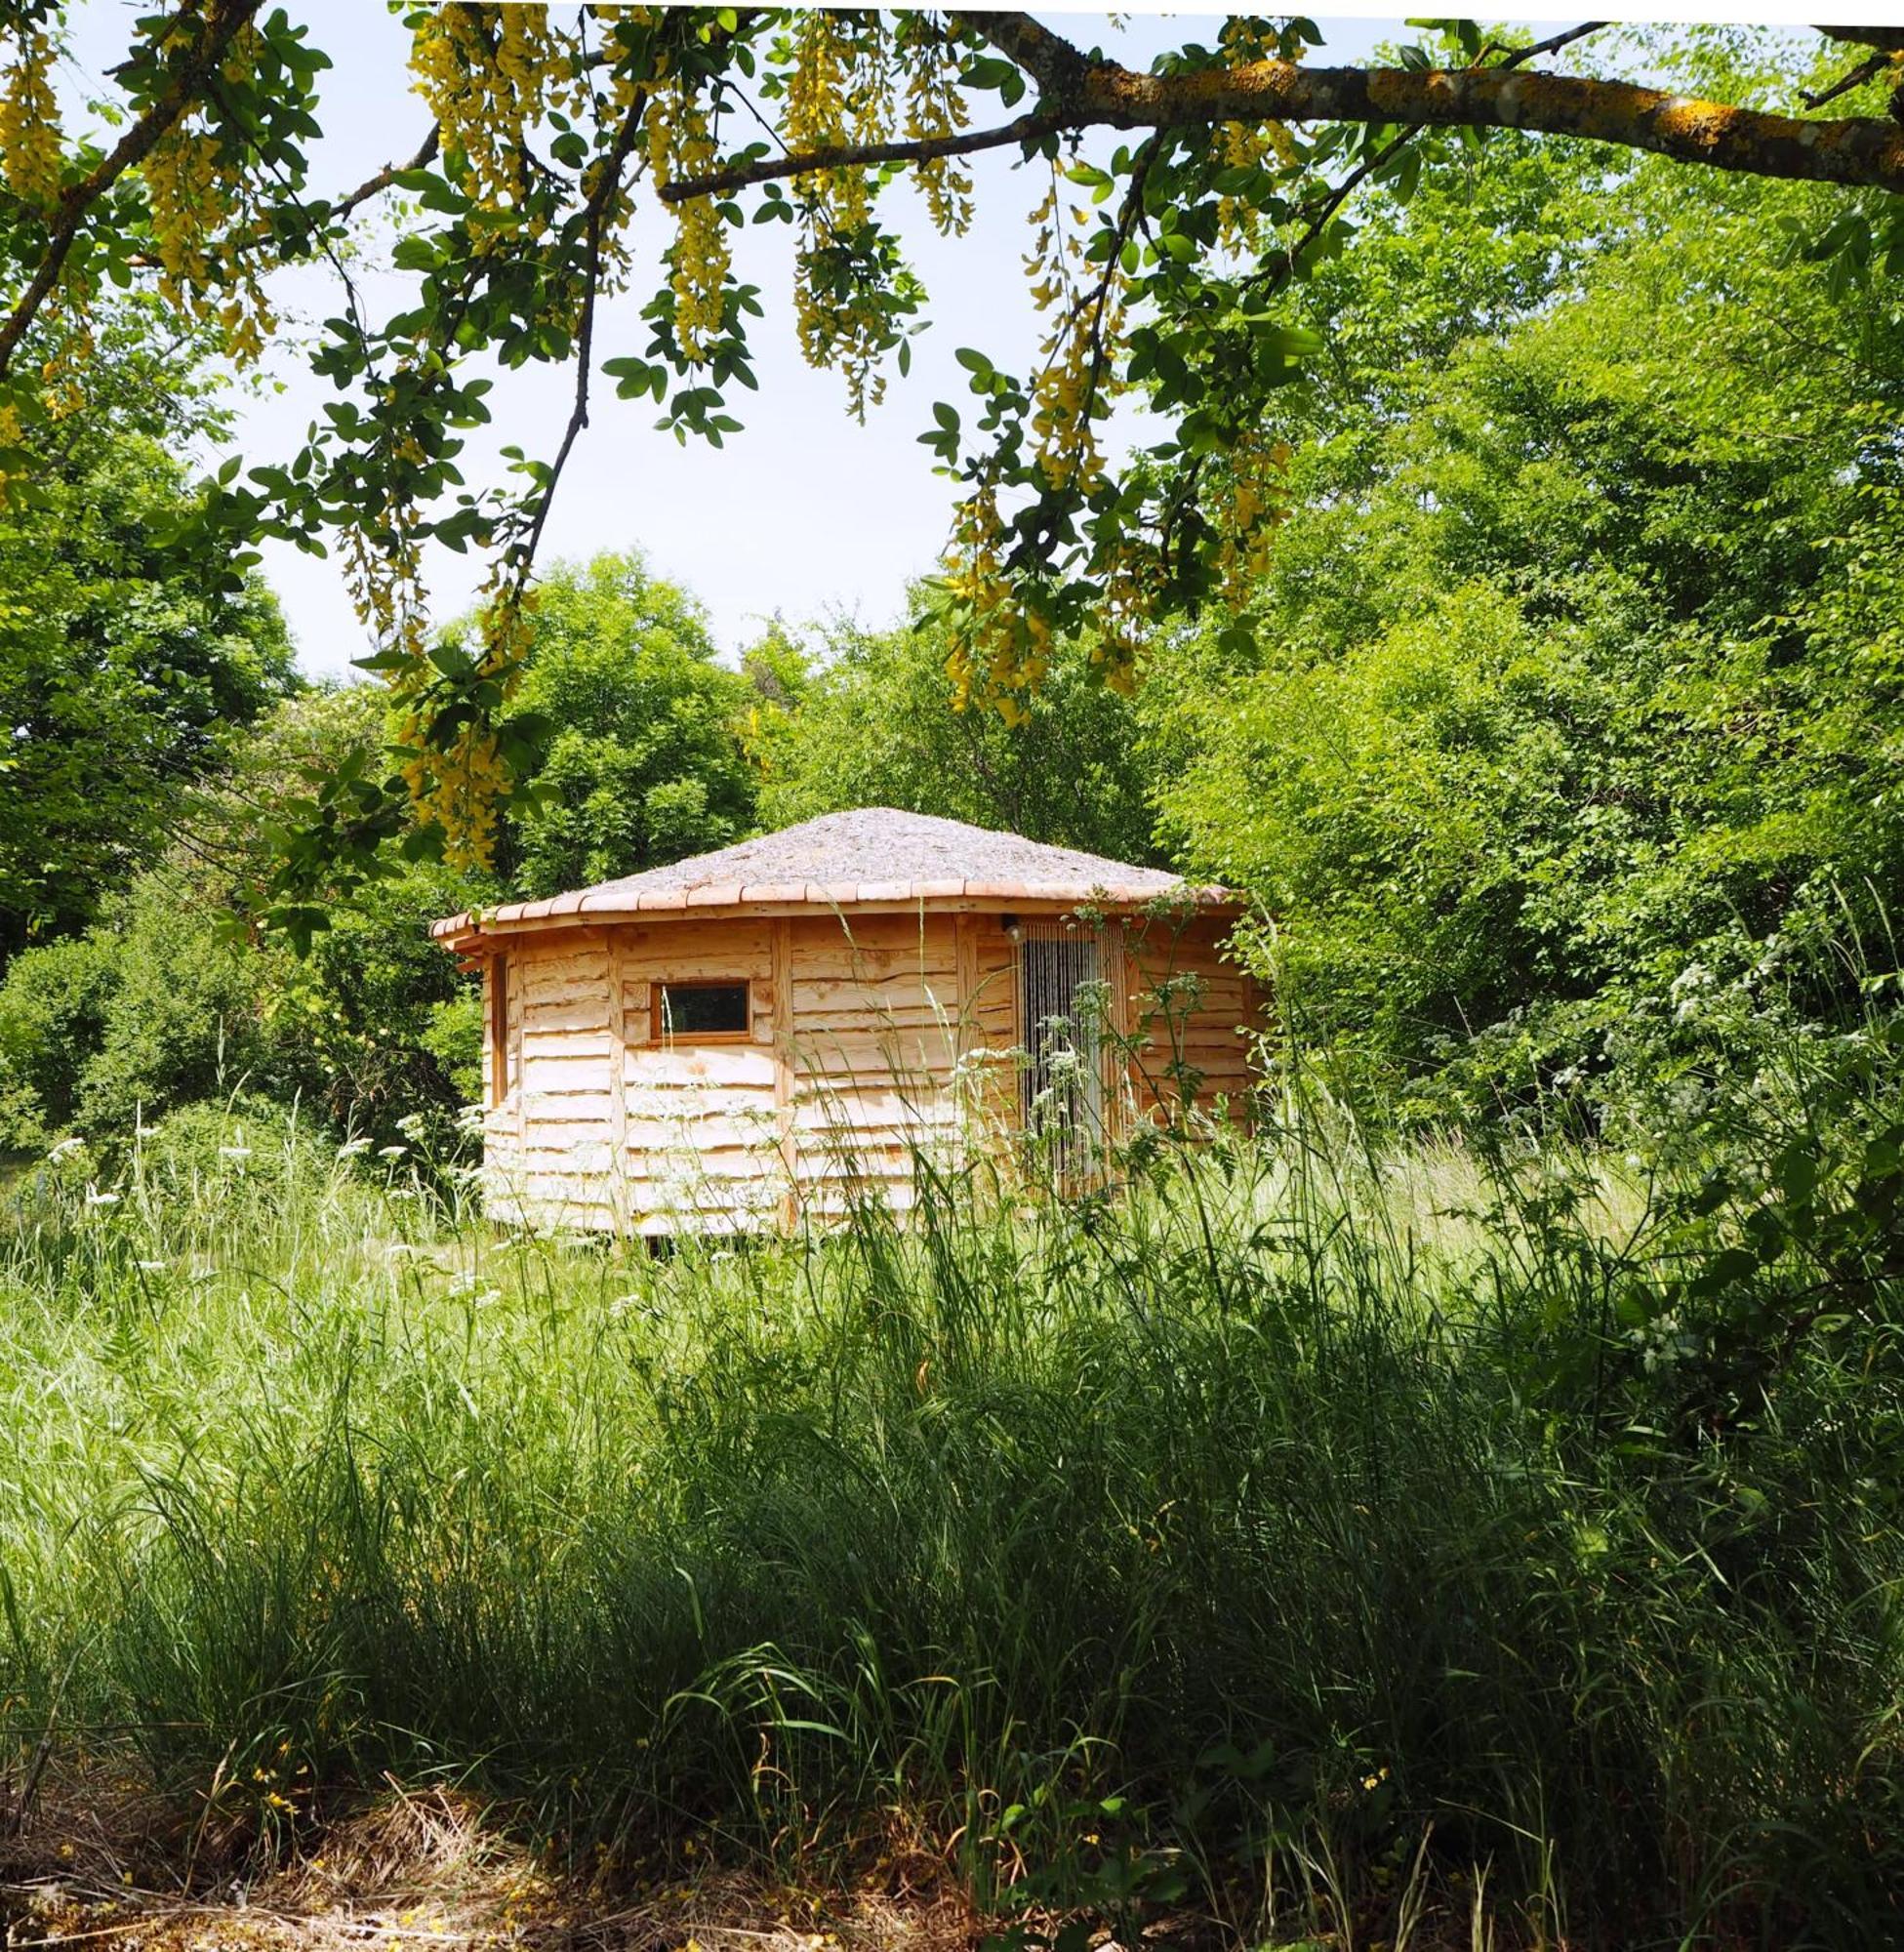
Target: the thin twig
pixel 1865 69
pixel 598 206
pixel 1029 128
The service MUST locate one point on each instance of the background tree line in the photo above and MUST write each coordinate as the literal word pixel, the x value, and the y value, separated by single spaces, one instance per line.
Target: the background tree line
pixel 1558 742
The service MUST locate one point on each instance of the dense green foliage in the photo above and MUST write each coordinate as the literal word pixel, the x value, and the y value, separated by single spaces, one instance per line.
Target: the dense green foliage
pixel 1577 668
pixel 123 658
pixel 865 721
pixel 164 1002
pixel 643 762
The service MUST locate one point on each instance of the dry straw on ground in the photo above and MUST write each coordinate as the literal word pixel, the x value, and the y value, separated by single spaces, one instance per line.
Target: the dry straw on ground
pixel 104 1866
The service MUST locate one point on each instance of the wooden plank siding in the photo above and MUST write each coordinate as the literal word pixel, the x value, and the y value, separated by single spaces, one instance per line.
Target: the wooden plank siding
pixel 702 1144
pixel 1192 1011
pixel 872 1036
pixel 873 1042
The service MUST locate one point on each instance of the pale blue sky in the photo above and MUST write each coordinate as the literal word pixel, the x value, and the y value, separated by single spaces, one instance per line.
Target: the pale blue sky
pixel 803 513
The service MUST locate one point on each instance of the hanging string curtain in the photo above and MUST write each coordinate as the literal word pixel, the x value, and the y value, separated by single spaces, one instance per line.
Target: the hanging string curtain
pixel 1063 1083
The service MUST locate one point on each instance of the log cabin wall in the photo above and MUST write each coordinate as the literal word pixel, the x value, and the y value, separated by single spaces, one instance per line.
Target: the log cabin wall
pixel 502 1083
pixel 869 1037
pixel 552 1155
pixel 848 1066
pixel 990 1033
pixel 873 1040
pixel 1193 1011
pixel 701 1145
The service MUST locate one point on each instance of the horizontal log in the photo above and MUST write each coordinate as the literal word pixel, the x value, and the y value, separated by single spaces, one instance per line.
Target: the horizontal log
pixel 904 1030
pixel 570 976
pixel 686 935
pixel 552 1043
pixel 564 1071
pixel 653 1138
pixel 685 1067
pixel 815 1116
pixel 729 1165
pixel 752 966
pixel 553 1193
pixel 874 1048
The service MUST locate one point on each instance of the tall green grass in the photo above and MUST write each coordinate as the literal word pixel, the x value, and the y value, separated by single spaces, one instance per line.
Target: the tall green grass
pixel 1211 1546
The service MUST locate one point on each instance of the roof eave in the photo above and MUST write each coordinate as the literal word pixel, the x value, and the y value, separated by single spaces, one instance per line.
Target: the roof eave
pixel 566 912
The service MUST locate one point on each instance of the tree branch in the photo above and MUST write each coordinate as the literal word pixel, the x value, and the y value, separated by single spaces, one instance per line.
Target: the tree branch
pixel 1890 39
pixel 1873 63
pixel 201 63
pixel 388 175
pixel 607 187
pixel 1059 69
pixel 1860 149
pixel 1853 150
pixel 862 155
pixel 1317 215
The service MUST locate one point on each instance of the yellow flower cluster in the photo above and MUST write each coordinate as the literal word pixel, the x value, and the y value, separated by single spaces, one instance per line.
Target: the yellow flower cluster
pixel 461 783
pixel 203 211
pixel 11 434
pixel 1255 507
pixel 681 144
pixel 1127 613
pixel 490 74
pixel 1005 648
pixel 1074 378
pixel 30 146
pixel 935 107
pixel 840 89
pixel 383 571
pixel 62 375
pixel 1243 146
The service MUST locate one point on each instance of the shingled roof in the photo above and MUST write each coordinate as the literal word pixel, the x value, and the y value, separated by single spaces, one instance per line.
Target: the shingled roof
pixel 872 856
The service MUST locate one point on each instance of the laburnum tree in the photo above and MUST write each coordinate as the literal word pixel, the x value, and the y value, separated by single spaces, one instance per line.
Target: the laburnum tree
pixel 1181 205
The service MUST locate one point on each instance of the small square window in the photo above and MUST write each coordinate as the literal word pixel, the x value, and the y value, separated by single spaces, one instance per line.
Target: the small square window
pixel 699 1012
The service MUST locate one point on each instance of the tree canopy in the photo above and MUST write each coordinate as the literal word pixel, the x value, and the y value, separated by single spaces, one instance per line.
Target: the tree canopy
pixel 1185 206
pixel 126 655
pixel 1566 719
pixel 642 761
pixel 860 720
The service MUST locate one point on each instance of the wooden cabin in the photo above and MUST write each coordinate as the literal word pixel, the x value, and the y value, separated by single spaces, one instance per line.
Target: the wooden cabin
pixel 764 1032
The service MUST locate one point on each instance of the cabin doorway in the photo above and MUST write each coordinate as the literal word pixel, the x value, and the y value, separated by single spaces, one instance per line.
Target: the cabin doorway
pixel 1061 998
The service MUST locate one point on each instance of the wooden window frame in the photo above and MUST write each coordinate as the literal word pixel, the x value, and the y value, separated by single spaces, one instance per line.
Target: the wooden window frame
pixel 659 1034
pixel 498 1028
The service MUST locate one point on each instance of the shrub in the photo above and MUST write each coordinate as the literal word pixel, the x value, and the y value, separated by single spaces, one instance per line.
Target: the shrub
pixel 53 1002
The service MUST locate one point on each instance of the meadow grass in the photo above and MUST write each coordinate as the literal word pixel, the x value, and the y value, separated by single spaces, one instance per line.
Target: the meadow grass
pixel 1310 1533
